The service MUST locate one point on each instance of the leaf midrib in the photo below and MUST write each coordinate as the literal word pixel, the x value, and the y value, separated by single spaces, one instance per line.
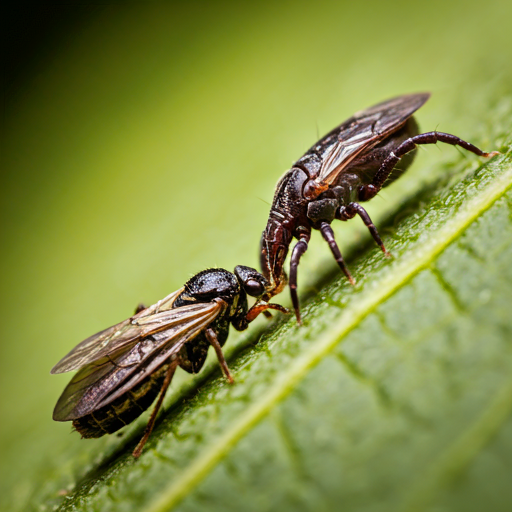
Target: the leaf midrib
pixel 415 260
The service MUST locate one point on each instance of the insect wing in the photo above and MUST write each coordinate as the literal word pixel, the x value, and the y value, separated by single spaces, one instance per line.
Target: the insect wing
pixel 105 379
pixel 112 339
pixel 89 384
pixel 363 130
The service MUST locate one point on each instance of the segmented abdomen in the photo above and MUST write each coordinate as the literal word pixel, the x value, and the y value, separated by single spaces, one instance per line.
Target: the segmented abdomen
pixel 124 409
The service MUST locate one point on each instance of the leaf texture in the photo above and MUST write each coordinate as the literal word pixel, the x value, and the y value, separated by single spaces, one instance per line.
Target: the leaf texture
pixel 136 154
pixel 395 395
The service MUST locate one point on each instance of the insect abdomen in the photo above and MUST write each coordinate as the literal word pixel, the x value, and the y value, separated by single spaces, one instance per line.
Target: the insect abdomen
pixel 124 409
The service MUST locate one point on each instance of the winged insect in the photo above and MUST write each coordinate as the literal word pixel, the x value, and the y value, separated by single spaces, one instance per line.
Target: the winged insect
pixel 122 369
pixel 350 165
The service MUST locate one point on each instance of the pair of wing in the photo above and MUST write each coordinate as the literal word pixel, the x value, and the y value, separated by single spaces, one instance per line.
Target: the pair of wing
pixel 113 361
pixel 363 130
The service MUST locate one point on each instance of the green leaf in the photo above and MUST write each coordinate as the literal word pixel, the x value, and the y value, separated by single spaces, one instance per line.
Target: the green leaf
pixel 395 395
pixel 136 154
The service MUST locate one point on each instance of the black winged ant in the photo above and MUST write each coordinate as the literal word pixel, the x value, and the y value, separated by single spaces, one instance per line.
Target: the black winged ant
pixel 351 164
pixel 122 369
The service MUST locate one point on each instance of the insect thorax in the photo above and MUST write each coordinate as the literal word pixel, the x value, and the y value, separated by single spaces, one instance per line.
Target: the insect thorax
pixel 193 354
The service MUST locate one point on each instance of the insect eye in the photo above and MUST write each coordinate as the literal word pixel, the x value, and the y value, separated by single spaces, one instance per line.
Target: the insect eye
pixel 254 288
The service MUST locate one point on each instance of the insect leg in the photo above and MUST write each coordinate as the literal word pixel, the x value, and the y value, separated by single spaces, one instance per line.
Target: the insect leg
pixel 151 423
pixel 261 308
pixel 368 191
pixel 328 235
pixel 353 209
pixel 300 248
pixel 214 342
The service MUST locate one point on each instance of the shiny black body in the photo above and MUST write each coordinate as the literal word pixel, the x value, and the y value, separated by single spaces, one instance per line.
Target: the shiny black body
pixel 203 287
pixel 207 286
pixel 347 166
pixel 123 368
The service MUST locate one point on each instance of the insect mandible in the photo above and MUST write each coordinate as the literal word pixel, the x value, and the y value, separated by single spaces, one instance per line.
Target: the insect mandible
pixel 122 369
pixel 348 166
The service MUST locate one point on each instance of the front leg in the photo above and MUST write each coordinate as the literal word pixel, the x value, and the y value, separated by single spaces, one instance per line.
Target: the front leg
pixel 255 311
pixel 211 336
pixel 300 248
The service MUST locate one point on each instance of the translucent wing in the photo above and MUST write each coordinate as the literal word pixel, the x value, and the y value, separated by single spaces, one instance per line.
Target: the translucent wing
pixel 102 381
pixel 330 155
pixel 103 343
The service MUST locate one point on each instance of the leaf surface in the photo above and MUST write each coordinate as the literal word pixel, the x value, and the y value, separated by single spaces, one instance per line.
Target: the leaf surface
pixel 136 151
pixel 388 393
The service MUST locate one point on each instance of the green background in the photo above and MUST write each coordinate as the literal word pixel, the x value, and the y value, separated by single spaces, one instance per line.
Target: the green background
pixel 142 143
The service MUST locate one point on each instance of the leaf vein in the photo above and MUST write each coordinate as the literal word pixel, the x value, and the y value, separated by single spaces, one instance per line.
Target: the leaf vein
pixel 419 257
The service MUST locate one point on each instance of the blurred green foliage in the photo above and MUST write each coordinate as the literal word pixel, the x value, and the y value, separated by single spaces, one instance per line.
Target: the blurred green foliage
pixel 144 148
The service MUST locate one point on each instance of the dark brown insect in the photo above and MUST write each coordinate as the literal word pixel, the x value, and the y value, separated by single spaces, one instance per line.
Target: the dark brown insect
pixel 349 165
pixel 123 368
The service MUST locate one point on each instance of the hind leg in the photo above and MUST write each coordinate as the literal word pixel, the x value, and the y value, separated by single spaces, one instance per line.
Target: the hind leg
pixel 366 192
pixel 151 423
